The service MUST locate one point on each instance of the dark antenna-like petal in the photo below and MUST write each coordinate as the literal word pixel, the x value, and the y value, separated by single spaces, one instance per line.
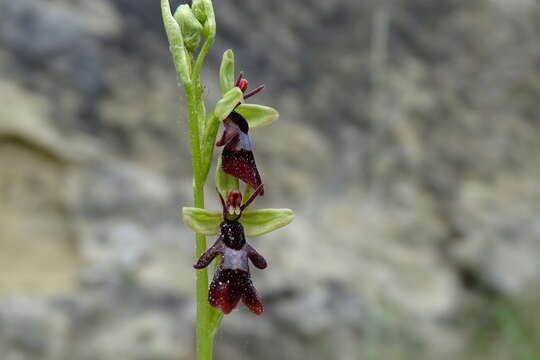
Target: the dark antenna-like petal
pixel 256 193
pixel 255 91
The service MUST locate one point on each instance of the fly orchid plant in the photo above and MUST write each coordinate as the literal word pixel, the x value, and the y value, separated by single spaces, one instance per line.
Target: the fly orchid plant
pixel 232 280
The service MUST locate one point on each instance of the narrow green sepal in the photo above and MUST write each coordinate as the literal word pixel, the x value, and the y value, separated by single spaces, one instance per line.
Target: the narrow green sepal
pixel 225 182
pixel 259 222
pixel 190 26
pixel 202 221
pixel 226 72
pixel 257 115
pixel 228 102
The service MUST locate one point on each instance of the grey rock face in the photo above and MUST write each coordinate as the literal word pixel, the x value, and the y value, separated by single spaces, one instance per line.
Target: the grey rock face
pixel 411 160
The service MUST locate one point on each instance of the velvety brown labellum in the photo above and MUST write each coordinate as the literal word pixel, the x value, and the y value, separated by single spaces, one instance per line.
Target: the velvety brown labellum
pixel 229 286
pixel 237 158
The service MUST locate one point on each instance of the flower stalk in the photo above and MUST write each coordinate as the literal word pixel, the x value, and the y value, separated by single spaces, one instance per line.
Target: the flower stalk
pixel 189 74
pixel 185 30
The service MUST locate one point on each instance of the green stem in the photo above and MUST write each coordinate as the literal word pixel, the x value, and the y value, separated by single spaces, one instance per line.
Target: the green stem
pixel 200 58
pixel 204 333
pixel 208 319
pixel 192 101
pixel 196 75
pixel 207 145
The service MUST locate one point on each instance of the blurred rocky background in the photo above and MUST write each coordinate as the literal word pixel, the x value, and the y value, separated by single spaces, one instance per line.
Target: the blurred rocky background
pixel 408 145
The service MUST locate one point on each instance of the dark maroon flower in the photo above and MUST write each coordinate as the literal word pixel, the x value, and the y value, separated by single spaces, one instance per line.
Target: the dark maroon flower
pixel 232 279
pixel 237 158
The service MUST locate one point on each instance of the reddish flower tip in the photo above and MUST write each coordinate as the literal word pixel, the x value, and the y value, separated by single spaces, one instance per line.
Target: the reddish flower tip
pixel 234 201
pixel 243 85
pixel 239 78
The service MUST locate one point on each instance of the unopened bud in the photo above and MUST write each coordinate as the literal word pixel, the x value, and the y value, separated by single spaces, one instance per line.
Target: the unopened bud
pixel 190 26
pixel 204 12
pixel 198 10
pixel 176 42
pixel 226 71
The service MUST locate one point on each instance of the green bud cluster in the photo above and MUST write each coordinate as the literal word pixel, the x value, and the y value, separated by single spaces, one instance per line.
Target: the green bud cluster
pixel 184 31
